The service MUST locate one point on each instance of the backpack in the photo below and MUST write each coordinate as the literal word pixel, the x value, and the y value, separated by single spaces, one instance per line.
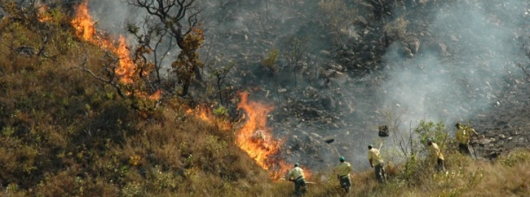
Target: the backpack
pixel 383 131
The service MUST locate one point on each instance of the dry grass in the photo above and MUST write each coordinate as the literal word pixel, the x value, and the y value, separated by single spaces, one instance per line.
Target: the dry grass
pixel 63 133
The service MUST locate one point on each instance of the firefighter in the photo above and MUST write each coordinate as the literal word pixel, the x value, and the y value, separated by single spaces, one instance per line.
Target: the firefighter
pixel 343 171
pixel 463 137
pixel 375 159
pixel 296 175
pixel 437 157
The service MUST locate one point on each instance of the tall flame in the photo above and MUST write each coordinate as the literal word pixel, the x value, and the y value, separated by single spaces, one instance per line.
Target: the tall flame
pixel 83 23
pixel 86 30
pixel 256 139
pixel 126 67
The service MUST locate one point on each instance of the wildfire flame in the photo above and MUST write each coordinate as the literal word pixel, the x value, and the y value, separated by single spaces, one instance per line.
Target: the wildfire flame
pixel 42 14
pixel 206 115
pixel 84 25
pixel 256 139
pixel 126 65
pixel 86 30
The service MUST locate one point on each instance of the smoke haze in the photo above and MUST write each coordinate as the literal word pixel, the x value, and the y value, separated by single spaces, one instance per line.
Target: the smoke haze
pixel 467 58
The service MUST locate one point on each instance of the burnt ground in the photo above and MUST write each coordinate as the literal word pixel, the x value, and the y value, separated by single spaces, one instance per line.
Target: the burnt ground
pixel 340 89
pixel 506 127
pixel 339 84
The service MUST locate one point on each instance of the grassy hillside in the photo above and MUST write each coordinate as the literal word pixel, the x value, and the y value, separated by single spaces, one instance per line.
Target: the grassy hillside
pixel 64 132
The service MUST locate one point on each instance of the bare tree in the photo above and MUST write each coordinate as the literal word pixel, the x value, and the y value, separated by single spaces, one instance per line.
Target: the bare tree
pixel 172 14
pixel 296 50
pixel 172 22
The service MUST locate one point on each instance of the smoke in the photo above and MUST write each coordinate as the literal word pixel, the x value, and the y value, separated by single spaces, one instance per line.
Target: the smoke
pixel 467 59
pixel 112 16
pixel 465 70
pixel 471 62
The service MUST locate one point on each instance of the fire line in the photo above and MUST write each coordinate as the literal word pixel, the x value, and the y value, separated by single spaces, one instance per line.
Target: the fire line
pixel 256 139
pixel 85 29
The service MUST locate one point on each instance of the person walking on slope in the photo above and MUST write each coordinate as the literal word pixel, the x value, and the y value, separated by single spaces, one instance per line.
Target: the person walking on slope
pixel 375 159
pixel 437 157
pixel 463 137
pixel 296 175
pixel 343 171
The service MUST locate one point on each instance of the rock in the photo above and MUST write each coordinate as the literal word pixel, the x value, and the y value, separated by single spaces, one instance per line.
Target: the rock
pixel 316 135
pixel 339 78
pixel 336 67
pixel 502 136
pixel 407 52
pixel 361 21
pixel 493 154
pixel 307 138
pixel 453 38
pixel 295 146
pixel 443 49
pixel 414 45
pixel 328 103
pixel 484 141
pixel 366 32
pixel 350 54
pixel 501 123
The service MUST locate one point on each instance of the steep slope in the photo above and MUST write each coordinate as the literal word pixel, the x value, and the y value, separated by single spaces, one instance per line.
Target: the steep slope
pixel 65 132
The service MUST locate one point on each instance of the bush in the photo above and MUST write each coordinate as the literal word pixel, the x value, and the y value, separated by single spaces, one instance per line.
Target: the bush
pixel 515 157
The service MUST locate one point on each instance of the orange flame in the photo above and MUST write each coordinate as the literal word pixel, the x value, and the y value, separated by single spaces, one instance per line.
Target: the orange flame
pixel 42 14
pixel 155 96
pixel 256 139
pixel 83 23
pixel 86 30
pixel 126 67
pixel 205 114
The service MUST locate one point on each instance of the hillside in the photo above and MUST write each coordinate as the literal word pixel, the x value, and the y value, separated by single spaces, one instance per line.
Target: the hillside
pixel 66 133
pixel 82 114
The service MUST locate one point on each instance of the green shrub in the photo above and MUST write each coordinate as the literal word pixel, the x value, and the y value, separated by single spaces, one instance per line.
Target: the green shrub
pixel 515 157
pixel 270 61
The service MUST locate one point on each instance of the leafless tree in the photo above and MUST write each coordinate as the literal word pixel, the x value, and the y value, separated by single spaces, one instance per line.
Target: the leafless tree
pixel 296 53
pixel 177 16
pixel 167 26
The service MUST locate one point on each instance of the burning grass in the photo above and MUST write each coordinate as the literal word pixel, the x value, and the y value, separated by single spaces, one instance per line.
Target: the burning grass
pixel 127 70
pixel 65 134
pixel 85 29
pixel 256 139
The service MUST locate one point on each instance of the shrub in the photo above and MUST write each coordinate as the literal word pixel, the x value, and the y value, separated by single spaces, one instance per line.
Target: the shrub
pixel 515 157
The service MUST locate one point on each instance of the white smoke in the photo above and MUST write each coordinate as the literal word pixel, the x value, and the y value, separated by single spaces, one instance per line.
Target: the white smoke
pixel 479 63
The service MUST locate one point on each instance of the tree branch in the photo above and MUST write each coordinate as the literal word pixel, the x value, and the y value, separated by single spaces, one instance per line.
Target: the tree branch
pixel 109 81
